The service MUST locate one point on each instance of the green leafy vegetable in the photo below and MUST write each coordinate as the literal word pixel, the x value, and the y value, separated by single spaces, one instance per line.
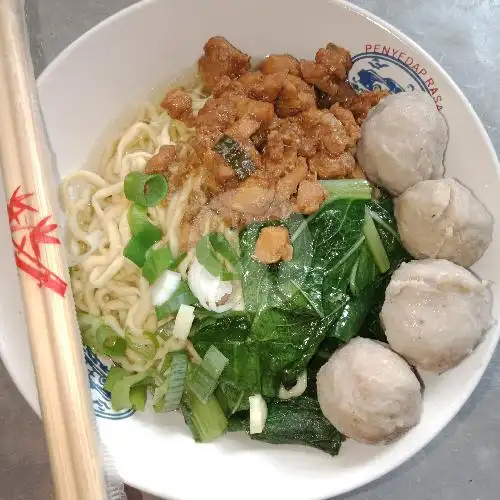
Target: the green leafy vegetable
pixel 206 420
pixel 235 156
pixel 375 243
pixel 229 332
pixel 296 421
pixel 145 190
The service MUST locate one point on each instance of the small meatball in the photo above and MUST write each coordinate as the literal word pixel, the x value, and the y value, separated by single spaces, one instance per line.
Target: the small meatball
pixel 287 185
pixel 273 245
pixel 244 128
pixel 262 87
pixel 403 141
pixel 310 197
pixel 442 219
pixel 369 393
pixel 347 119
pixel 336 59
pixel 361 104
pixel 179 105
pixel 435 313
pixel 295 97
pixel 276 63
pixel 328 167
pixel 220 59
pixel 159 163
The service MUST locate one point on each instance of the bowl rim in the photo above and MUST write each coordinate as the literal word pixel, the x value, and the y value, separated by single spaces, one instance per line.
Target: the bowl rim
pixel 31 397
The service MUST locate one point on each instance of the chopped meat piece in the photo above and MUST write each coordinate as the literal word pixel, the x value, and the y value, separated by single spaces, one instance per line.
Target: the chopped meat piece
pixel 287 185
pixel 317 74
pixel 179 105
pixel 361 104
pixel 326 130
pixel 244 128
pixel 276 63
pixel 249 203
pixel 275 147
pixel 348 121
pixel 262 87
pixel 259 140
pixel 261 111
pixel 336 60
pixel 358 173
pixel 295 97
pixel 310 197
pixel 328 167
pixel 227 86
pixel 345 92
pixel 221 171
pixel 220 59
pixel 217 113
pixel 273 245
pixel 160 162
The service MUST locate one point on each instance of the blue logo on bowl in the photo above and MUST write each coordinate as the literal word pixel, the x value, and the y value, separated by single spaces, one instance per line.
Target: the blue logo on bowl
pixel 101 399
pixel 387 68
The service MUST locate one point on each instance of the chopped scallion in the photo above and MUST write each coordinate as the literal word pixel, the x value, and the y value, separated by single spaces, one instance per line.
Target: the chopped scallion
pixel 138 246
pixel 206 375
pixel 157 261
pixel 115 373
pixel 145 190
pixel 348 188
pixel 168 395
pixel 109 343
pixel 120 393
pixel 182 295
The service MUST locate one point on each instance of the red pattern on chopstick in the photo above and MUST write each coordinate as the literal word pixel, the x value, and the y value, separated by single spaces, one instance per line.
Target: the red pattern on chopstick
pixel 27 240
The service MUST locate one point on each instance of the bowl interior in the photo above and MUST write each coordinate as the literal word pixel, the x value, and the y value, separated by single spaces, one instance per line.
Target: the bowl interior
pixel 95 83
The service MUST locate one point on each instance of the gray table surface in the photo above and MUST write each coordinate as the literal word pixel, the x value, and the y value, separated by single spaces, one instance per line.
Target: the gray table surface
pixel 463 463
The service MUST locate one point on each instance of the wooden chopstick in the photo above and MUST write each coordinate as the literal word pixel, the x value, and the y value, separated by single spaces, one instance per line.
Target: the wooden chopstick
pixel 26 167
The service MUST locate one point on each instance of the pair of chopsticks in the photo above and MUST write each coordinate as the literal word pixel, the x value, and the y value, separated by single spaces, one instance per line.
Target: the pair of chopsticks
pixel 26 167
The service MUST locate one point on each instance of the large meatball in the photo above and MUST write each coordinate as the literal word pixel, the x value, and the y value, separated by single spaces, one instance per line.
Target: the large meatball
pixel 403 141
pixel 368 392
pixel 443 219
pixel 435 313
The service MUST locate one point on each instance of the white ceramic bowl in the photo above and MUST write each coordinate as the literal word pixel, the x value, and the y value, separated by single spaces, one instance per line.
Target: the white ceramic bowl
pixel 121 62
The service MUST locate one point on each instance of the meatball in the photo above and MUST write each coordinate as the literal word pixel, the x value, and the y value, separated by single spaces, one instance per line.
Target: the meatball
pixel 368 392
pixel 435 313
pixel 403 141
pixel 443 219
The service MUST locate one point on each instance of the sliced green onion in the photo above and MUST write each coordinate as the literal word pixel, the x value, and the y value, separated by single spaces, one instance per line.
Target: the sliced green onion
pixel 258 413
pixel 183 322
pixel 145 190
pixel 146 349
pixel 222 247
pixel 168 395
pixel 207 257
pixel 109 343
pixel 120 394
pixel 140 243
pixel 206 375
pixel 156 262
pixel 88 324
pixel 138 218
pixel 348 188
pixel 375 244
pixel 235 156
pixel 115 374
pixel 206 420
pixel 182 295
pixel 137 396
